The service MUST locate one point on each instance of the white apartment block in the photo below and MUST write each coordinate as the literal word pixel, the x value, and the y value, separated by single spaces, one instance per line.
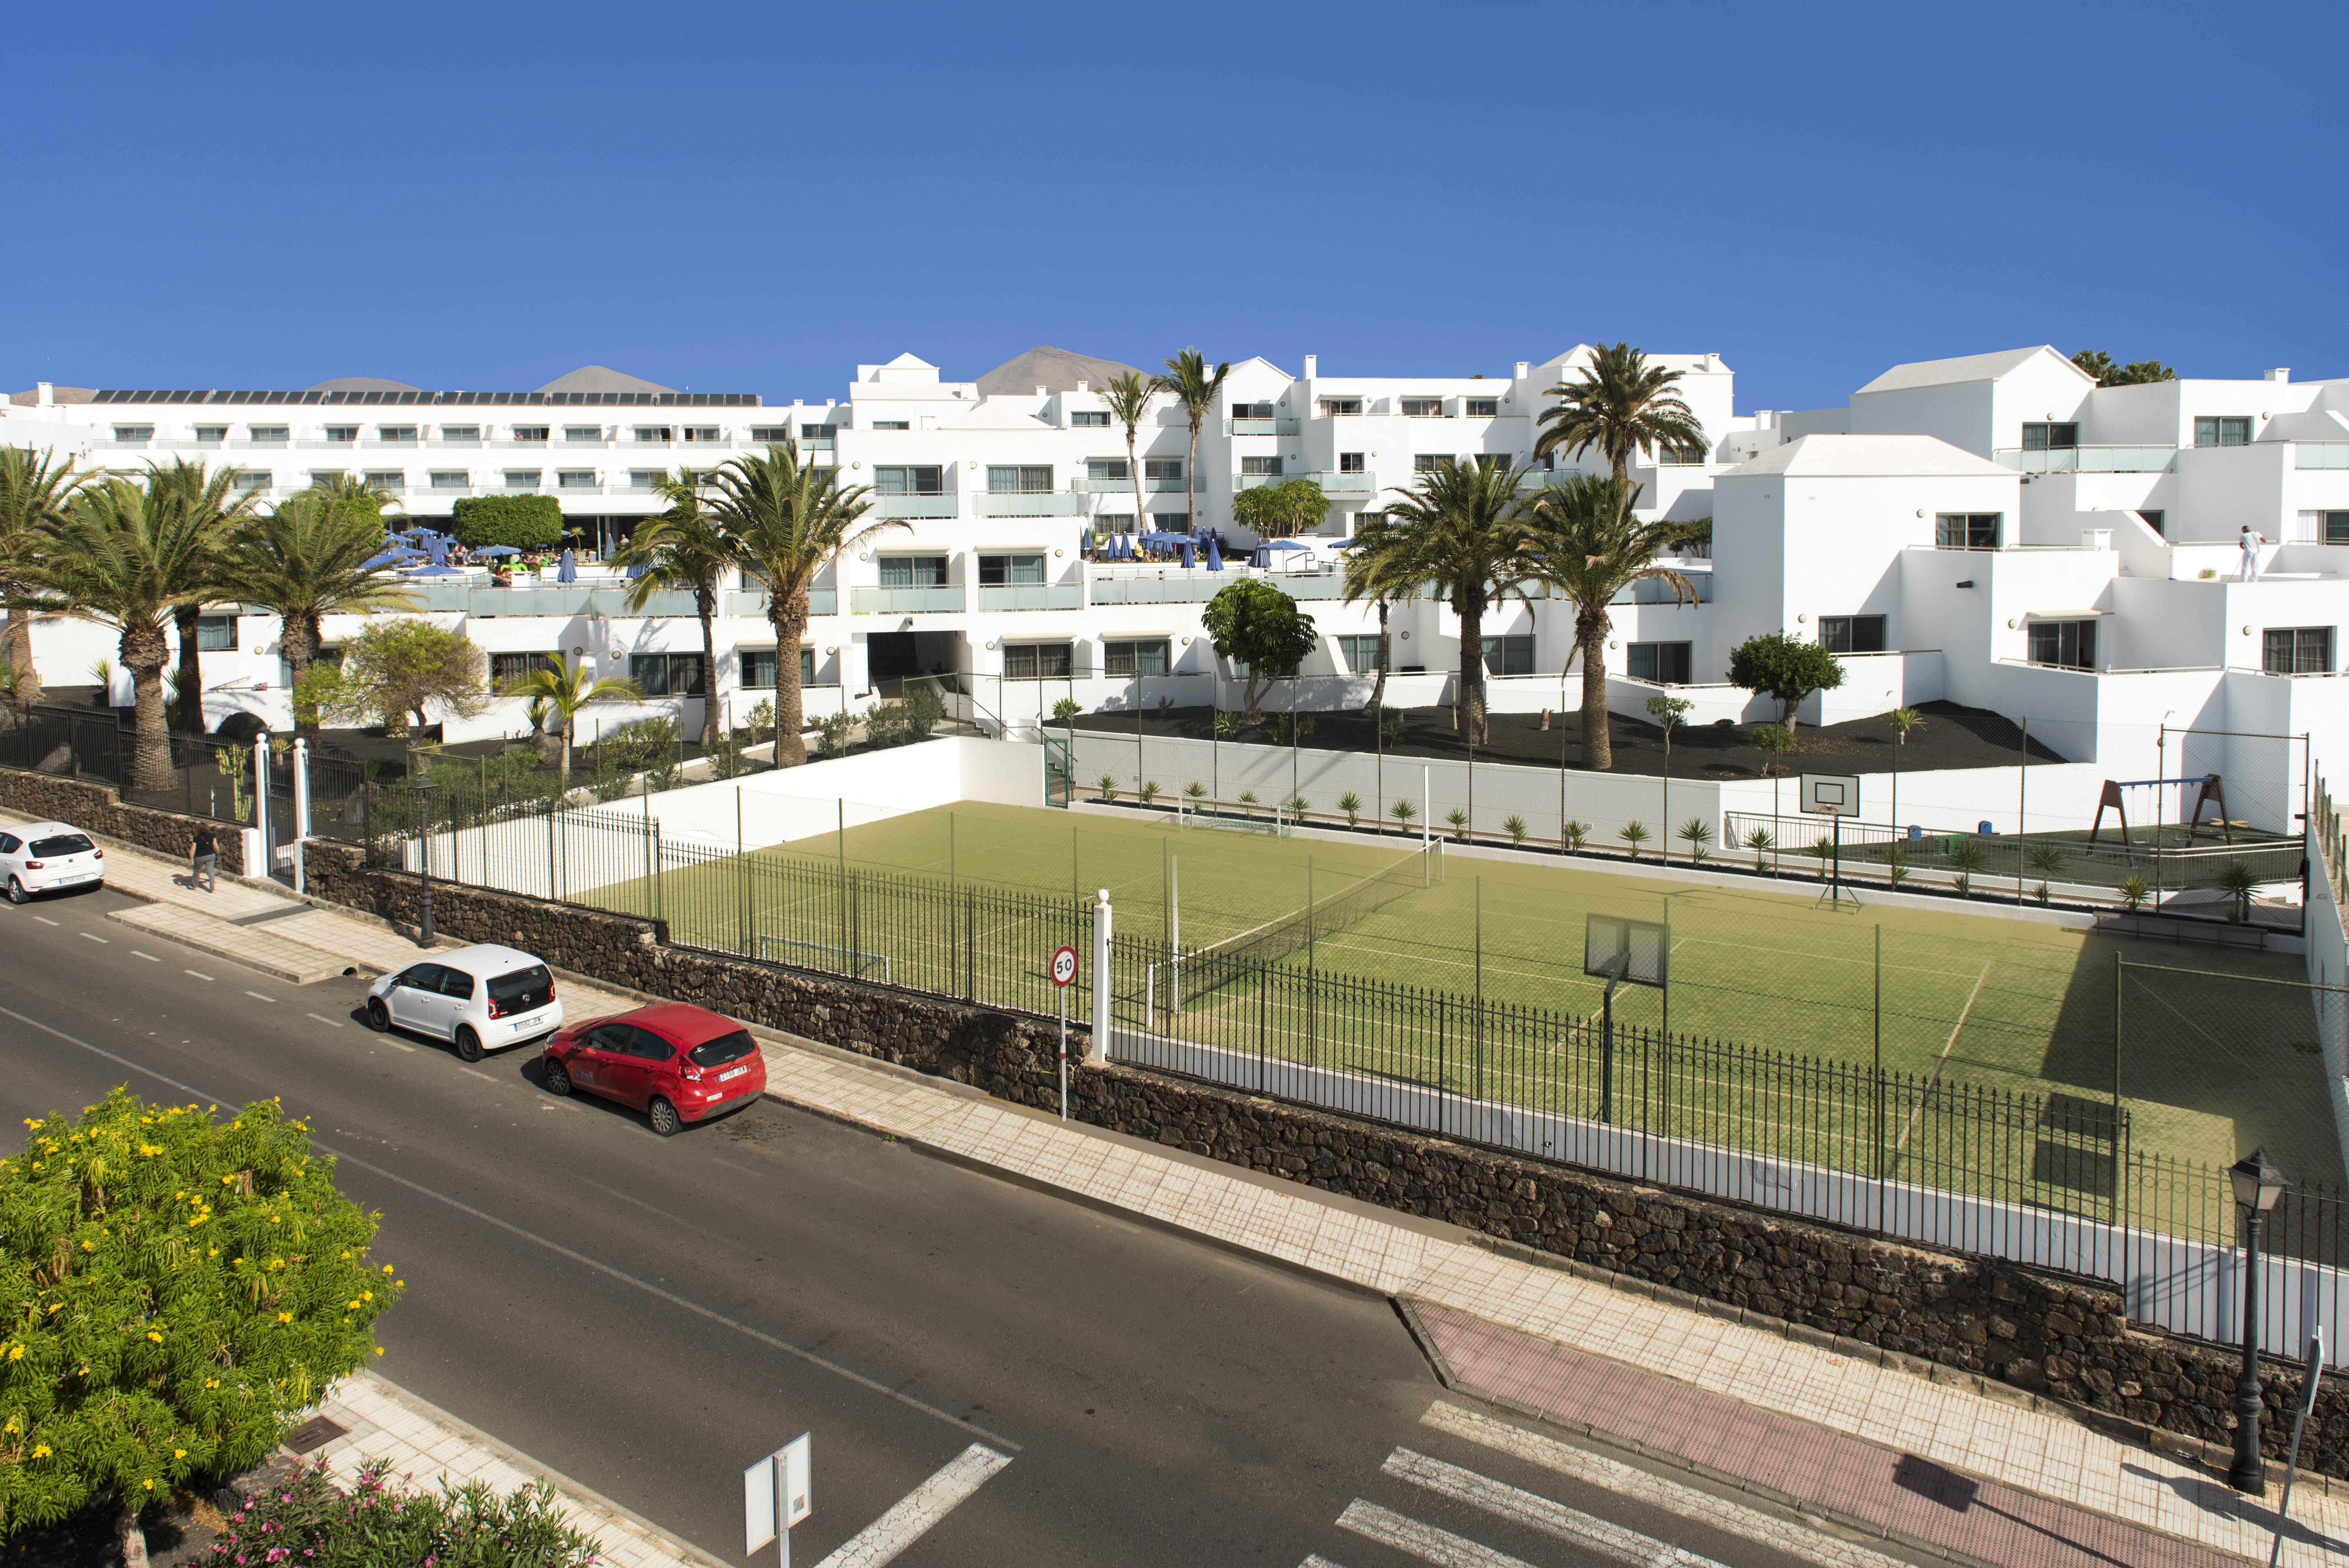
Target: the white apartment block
pixel 1992 530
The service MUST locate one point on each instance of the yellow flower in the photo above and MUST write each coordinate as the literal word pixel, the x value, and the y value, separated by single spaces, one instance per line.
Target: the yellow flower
pixel 40 1450
pixel 366 1296
pixel 347 1257
pixel 16 1352
pixel 178 1453
pixel 285 1317
pixel 148 1484
pixel 89 1246
pixel 378 1350
pixel 351 1305
pixel 387 1268
pixel 10 1426
pixel 155 1336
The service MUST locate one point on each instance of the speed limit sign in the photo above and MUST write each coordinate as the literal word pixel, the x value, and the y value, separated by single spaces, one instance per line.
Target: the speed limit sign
pixel 1064 965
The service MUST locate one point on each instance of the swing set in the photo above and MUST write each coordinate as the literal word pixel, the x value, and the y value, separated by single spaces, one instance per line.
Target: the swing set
pixel 2212 793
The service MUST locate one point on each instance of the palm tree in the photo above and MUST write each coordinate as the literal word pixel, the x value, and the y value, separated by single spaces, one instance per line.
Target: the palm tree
pixel 1903 719
pixel 1460 531
pixel 682 549
pixel 349 487
pixel 128 558
pixel 1128 397
pixel 1621 405
pixel 34 491
pixel 565 691
pixel 306 560
pixel 1195 389
pixel 783 519
pixel 211 506
pixel 1590 547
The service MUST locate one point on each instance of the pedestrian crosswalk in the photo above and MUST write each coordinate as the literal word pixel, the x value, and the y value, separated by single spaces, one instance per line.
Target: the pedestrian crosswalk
pixel 1556 1532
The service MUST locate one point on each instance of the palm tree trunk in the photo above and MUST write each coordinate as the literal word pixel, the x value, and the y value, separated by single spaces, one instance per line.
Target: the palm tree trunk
pixel 1134 472
pixel 564 767
pixel 705 604
pixel 191 670
pixel 1590 639
pixel 143 654
pixel 1191 478
pixel 1379 687
pixel 297 640
pixel 19 650
pixel 1472 665
pixel 787 616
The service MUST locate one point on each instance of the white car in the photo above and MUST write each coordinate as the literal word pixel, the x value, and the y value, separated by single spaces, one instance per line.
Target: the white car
pixel 477 998
pixel 46 857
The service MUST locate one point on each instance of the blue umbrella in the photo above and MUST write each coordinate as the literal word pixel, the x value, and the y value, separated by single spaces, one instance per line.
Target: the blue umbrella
pixel 638 570
pixel 388 558
pixel 436 545
pixel 437 572
pixel 568 571
pixel 1189 555
pixel 1286 545
pixel 486 551
pixel 1261 559
pixel 1215 555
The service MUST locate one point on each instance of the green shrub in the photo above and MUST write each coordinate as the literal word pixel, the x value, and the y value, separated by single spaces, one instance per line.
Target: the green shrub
pixel 2134 891
pixel 1576 834
pixel 525 521
pixel 1351 804
pixel 1515 826
pixel 307 1519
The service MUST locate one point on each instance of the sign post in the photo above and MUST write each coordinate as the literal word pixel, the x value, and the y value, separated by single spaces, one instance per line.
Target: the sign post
pixel 776 1495
pixel 1617 950
pixel 2291 1466
pixel 1064 975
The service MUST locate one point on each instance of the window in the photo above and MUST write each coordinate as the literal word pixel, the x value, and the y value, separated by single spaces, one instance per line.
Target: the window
pixel 1267 466
pixel 1428 462
pixel 1360 653
pixel 1674 456
pixel 1422 407
pixel 1509 655
pixel 1966 530
pixel 522 478
pixel 1024 478
pixel 771 435
pixel 913 571
pixel 1010 570
pixel 725 1048
pixel 1037 661
pixel 250 480
pixel 759 667
pixel 1107 468
pixel 891 425
pixel 2069 645
pixel 1251 410
pixel 1665 664
pixel 390 480
pixel 269 435
pixel 1089 419
pixel 575 478
pixel 325 476
pixel 1162 468
pixel 1349 463
pixel 448 478
pixel 656 432
pixel 215 633
pixel 582 432
pixel 211 435
pixel 808 433
pixel 1483 408
pixel 2317 528
pixel 342 432
pixel 1172 521
pixel 532 433
pixel 460 432
pixel 134 432
pixel 522 990
pixel 921 481
pixel 2336 528
pixel 2154 520
pixel 2049 436
pixel 396 435
pixel 711 433
pixel 667 674
pixel 646 478
pixel 1852 633
pixel 505 667
pixel 1109 523
pixel 1146 657
pixel 1334 407
pixel 2296 650
pixel 2225 431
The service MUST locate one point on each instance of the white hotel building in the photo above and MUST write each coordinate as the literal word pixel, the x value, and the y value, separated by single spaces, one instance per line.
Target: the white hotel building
pixel 1992 530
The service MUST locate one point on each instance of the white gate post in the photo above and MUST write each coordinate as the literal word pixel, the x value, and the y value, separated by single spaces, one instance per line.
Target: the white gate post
pixel 1099 1051
pixel 301 805
pixel 260 799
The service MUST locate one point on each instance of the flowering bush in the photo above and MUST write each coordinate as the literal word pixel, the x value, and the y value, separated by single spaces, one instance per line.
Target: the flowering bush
pixel 308 1522
pixel 173 1287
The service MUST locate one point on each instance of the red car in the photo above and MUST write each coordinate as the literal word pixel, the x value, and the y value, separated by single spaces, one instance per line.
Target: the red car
pixel 675 1062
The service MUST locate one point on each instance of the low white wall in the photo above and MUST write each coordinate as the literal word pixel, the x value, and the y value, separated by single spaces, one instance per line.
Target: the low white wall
pixel 2328 964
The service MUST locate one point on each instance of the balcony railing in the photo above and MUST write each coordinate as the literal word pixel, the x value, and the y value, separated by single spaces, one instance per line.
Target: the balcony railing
pixel 453 442
pixel 940 505
pixel 1033 596
pixel 1197 586
pixel 751 603
pixel 1333 484
pixel 2090 459
pixel 2320 455
pixel 1027 503
pixel 818 444
pixel 568 488
pixel 940 598
pixel 307 445
pixel 265 443
pixel 1259 427
pixel 1090 486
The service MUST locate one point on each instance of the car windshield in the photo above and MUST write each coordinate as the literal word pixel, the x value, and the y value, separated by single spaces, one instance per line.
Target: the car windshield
pixel 725 1048
pixel 63 845
pixel 525 987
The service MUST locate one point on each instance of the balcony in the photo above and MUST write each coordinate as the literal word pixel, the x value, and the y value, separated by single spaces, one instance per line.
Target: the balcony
pixel 1331 484
pixel 566 490
pixel 1259 427
pixel 265 443
pixel 1196 585
pixel 818 443
pixel 751 604
pixel 1029 504
pixel 2320 455
pixel 327 445
pixel 944 598
pixel 1089 486
pixel 940 505
pixel 379 444
pixel 450 441
pixel 1033 596
pixel 2090 459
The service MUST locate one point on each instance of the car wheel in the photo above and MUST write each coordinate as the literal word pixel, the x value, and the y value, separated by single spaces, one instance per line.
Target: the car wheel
pixel 379 1015
pixel 468 1044
pixel 16 893
pixel 665 1120
pixel 558 1078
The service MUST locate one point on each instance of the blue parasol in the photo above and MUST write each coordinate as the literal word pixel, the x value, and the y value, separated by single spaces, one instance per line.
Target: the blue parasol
pixel 1285 544
pixel 568 571
pixel 1215 555
pixel 437 572
pixel 1190 557
pixel 487 550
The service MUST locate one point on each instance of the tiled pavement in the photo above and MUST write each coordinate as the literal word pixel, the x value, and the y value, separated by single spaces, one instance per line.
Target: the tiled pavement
pixel 1810 1419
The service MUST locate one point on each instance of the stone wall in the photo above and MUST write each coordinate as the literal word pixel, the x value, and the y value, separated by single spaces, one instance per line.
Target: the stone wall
pixel 2064 1339
pixel 93 806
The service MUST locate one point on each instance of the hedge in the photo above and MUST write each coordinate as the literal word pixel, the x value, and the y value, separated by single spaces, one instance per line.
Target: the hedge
pixel 525 521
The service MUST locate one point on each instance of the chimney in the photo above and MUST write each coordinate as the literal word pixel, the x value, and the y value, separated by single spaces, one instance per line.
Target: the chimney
pixel 1043 392
pixel 1712 362
pixel 1523 366
pixel 2284 373
pixel 827 402
pixel 798 403
pixel 1312 366
pixel 45 395
pixel 1765 419
pixel 1084 386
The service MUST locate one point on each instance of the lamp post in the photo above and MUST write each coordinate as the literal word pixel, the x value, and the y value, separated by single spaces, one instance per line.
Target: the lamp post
pixel 2258 1186
pixel 423 789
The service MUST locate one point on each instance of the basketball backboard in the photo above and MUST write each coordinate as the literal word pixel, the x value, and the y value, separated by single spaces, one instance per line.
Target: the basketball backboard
pixel 1831 794
pixel 1641 949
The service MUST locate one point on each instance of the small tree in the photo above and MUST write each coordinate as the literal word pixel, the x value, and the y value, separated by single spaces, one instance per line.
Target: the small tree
pixel 564 691
pixel 176 1288
pixel 1255 624
pixel 1902 719
pixel 1403 811
pixel 2238 882
pixel 1785 668
pixel 1458 819
pixel 1965 859
pixel 1515 826
pixel 1576 834
pixel 523 521
pixel 1281 510
pixel 395 670
pixel 2134 891
pixel 1107 785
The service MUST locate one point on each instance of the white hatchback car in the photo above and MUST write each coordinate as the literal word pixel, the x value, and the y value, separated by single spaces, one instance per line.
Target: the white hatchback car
pixel 46 857
pixel 477 998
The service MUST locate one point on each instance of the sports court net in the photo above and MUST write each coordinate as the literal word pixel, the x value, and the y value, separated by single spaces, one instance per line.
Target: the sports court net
pixel 1208 968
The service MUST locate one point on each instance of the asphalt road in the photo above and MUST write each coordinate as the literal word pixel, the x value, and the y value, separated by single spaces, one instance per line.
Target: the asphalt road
pixel 648 1316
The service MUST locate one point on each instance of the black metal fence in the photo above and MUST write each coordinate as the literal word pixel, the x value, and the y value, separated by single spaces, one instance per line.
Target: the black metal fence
pixel 203 777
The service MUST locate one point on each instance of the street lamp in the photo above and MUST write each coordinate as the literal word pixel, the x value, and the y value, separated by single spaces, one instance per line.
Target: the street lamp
pixel 424 787
pixel 2258 1186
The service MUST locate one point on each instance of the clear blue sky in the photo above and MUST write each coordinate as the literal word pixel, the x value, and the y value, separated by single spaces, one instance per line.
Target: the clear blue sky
pixel 756 198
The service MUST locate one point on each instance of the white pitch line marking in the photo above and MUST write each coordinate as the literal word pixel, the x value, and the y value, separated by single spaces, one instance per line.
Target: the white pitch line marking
pixel 330 1023
pixel 1424 1542
pixel 913 1514
pixel 205 978
pixel 259 998
pixel 1536 1513
pixel 86 936
pixel 148 956
pixel 1621 1480
pixel 44 920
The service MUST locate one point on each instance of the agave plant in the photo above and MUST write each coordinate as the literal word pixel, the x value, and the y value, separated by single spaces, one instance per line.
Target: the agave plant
pixel 1965 859
pixel 1761 842
pixel 1515 826
pixel 1107 785
pixel 1351 804
pixel 1194 792
pixel 1458 819
pixel 1403 811
pixel 2134 891
pixel 1576 834
pixel 2238 882
pixel 1895 864
pixel 1697 835
pixel 1633 835
pixel 1248 803
pixel 1148 792
pixel 1297 807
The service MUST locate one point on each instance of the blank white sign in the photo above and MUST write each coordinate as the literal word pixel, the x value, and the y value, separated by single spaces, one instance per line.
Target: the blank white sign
pixel 793 1464
pixel 758 1505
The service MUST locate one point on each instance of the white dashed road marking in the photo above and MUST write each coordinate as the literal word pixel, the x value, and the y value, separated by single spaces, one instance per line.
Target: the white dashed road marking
pixel 205 978
pixel 330 1023
pixel 1424 1541
pixel 86 936
pixel 259 998
pixel 881 1540
pixel 1536 1513
pixel 148 956
pixel 483 1076
pixel 44 920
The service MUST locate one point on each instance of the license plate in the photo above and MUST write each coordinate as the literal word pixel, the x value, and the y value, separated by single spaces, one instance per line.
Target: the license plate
pixel 732 1073
pixel 80 877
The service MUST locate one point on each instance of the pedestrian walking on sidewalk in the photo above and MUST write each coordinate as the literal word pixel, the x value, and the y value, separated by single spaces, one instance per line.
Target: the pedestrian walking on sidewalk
pixel 204 860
